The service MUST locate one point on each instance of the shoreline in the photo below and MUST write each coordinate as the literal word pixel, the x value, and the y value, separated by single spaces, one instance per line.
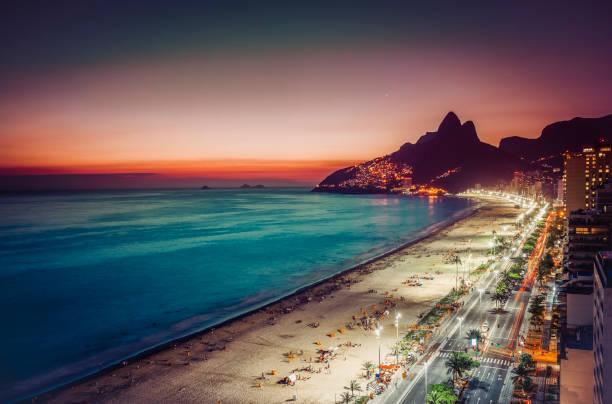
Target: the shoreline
pixel 226 363
pixel 422 234
pixel 428 231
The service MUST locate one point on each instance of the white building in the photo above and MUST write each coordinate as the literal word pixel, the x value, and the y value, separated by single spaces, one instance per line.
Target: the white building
pixel 602 328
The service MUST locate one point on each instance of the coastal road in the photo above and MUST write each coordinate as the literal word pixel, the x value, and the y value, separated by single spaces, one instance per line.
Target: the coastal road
pixel 487 381
pixel 491 382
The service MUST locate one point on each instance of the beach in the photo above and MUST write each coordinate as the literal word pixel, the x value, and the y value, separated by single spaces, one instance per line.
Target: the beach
pixel 226 364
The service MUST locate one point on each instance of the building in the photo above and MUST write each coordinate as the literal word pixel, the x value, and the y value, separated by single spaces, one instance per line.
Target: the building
pixel 559 194
pixel 576 377
pixel 583 173
pixel 587 233
pixel 602 328
pixel 597 170
pixel 603 198
pixel 574 168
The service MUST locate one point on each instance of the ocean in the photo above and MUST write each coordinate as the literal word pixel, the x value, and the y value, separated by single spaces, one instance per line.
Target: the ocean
pixel 89 278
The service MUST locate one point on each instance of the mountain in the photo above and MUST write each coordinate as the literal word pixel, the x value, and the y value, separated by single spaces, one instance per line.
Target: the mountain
pixel 558 137
pixel 453 158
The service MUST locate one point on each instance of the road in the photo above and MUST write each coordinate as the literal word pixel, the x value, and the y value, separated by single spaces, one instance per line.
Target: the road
pixel 491 382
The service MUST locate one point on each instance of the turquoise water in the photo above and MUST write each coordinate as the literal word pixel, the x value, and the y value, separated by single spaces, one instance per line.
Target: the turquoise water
pixel 87 278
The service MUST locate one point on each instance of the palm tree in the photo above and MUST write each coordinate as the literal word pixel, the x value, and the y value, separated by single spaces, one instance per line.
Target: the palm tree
pixel 520 376
pixel 368 366
pixel 353 386
pixel 435 397
pixel 474 333
pixel 346 397
pixel 536 308
pixel 455 259
pixel 498 297
pixel 455 365
pixel 526 360
pixel 541 276
pixel 458 363
pixel 520 261
pixel 527 385
pixel 504 275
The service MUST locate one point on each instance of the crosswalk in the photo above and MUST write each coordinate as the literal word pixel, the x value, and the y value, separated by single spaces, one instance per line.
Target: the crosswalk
pixel 486 360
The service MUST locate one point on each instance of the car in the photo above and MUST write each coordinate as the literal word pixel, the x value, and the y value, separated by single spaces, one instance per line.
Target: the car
pixel 485 326
pixel 487 292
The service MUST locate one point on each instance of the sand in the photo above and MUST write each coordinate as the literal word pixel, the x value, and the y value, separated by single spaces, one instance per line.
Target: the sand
pixel 225 364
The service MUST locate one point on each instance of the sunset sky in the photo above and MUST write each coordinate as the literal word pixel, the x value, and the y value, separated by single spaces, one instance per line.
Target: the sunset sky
pixel 257 90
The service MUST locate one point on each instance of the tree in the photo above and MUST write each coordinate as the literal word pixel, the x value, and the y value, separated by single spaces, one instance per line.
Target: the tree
pixel 435 397
pixel 353 386
pixel 504 276
pixel 502 242
pixel 527 385
pixel 540 276
pixel 501 286
pixel 441 393
pixel 520 261
pixel 536 308
pixel 458 363
pixel 346 397
pixel 526 360
pixel 474 333
pixel 368 366
pixel 520 375
pixel 498 297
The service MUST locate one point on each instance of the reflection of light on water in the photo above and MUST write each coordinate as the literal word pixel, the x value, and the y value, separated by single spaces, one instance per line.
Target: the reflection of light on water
pixel 431 200
pixel 385 201
pixel 380 202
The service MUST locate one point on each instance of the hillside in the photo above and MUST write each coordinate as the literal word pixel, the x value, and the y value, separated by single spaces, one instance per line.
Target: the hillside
pixel 558 137
pixel 453 157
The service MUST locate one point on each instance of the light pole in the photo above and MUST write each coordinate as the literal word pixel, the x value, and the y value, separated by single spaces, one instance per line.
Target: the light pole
pixel 426 364
pixel 469 265
pixel 377 332
pixel 469 256
pixel 397 317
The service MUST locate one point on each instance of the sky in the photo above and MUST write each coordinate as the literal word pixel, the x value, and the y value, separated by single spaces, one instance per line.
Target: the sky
pixel 283 91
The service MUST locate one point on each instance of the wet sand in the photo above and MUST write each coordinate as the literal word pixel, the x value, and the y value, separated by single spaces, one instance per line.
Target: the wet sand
pixel 226 364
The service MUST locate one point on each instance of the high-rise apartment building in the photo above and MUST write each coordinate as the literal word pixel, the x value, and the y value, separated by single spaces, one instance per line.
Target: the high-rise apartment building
pixel 574 169
pixel 559 190
pixel 603 198
pixel 602 328
pixel 587 234
pixel 597 170
pixel 583 173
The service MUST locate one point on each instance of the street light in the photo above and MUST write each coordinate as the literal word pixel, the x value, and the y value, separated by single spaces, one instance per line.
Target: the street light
pixel 469 260
pixel 426 364
pixel 397 317
pixel 377 332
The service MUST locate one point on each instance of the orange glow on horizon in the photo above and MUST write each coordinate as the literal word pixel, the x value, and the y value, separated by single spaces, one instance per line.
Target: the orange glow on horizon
pixel 305 170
